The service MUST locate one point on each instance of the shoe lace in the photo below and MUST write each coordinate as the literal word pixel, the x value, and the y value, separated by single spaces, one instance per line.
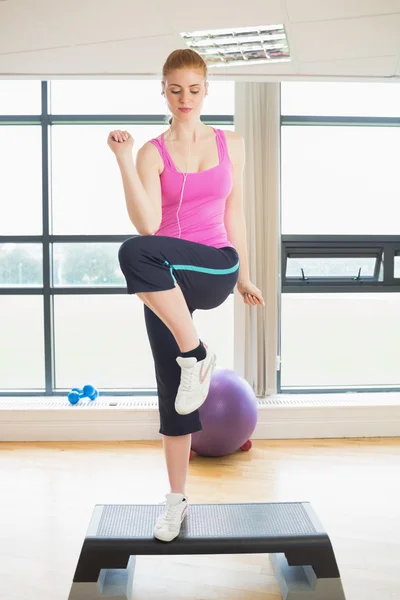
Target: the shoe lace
pixel 170 512
pixel 187 379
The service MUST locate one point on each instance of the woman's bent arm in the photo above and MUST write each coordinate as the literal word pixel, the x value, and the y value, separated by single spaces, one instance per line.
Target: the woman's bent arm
pixel 142 188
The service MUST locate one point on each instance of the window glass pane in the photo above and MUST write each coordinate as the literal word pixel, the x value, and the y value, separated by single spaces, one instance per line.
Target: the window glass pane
pixel 20 97
pixel 102 340
pixel 340 180
pixel 333 340
pixel 21 343
pixel 397 267
pixel 21 180
pixel 117 353
pixel 21 265
pixel 140 97
pixel 315 267
pixel 87 191
pixel 94 264
pixel 341 99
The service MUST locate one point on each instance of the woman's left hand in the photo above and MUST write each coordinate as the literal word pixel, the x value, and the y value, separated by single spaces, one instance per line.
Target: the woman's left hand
pixel 251 294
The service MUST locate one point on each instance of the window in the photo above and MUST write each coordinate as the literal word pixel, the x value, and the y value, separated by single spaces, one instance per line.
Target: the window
pixel 21 265
pixel 340 180
pixel 340 341
pixel 340 237
pixel 341 99
pixel 87 192
pixel 21 180
pixel 20 97
pixel 21 343
pixel 65 317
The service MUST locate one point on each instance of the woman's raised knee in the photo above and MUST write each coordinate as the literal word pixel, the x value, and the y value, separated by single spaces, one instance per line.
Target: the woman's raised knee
pixel 132 248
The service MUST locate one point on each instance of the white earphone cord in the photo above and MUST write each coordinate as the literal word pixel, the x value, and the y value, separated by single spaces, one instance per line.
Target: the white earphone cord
pixel 183 187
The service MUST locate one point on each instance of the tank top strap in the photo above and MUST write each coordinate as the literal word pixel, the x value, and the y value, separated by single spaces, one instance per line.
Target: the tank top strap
pixel 159 144
pixel 221 144
pixel 166 156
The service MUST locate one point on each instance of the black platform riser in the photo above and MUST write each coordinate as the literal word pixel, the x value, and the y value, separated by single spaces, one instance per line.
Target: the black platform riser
pixel 291 533
pixel 116 554
pixel 199 545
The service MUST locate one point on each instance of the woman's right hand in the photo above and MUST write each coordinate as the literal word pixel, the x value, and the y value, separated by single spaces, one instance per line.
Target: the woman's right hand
pixel 120 142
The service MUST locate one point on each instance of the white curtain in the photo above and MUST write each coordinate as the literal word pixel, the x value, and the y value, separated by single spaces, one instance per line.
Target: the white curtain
pixel 257 119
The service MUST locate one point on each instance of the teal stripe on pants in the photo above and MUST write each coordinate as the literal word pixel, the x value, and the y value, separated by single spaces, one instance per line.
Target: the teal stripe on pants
pixel 201 269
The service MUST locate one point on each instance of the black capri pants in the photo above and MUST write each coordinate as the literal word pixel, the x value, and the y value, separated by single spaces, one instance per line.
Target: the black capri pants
pixel 206 276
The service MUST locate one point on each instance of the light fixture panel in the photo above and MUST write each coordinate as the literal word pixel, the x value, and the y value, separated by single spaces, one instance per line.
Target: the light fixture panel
pixel 240 45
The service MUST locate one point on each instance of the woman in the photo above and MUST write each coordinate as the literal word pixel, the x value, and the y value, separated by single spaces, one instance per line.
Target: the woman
pixel 184 196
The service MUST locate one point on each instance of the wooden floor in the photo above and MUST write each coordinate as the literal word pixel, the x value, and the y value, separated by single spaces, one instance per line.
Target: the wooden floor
pixel 48 492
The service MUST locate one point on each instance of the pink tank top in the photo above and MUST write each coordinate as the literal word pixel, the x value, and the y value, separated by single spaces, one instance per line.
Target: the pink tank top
pixel 201 215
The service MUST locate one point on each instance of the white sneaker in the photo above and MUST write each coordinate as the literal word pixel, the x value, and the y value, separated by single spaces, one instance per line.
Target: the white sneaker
pixel 168 524
pixel 195 382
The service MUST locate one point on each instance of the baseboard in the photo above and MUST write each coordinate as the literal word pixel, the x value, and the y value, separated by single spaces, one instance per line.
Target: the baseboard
pixel 279 418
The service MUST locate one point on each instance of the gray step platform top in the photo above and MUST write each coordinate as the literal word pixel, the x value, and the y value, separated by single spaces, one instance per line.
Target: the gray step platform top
pixel 228 528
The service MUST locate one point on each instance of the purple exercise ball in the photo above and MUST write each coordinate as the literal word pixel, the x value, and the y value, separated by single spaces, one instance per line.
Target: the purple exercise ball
pixel 228 416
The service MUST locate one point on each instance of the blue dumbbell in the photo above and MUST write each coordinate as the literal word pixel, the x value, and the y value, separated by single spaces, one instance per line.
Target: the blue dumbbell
pixel 75 395
pixel 88 392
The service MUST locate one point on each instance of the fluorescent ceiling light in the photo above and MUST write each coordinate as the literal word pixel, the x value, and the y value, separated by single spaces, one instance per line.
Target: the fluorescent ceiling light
pixel 240 45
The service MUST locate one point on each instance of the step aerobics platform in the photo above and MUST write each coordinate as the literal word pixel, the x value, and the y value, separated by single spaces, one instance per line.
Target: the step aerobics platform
pixel 300 549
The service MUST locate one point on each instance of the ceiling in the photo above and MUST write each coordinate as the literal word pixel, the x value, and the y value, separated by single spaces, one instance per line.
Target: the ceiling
pixel 328 39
